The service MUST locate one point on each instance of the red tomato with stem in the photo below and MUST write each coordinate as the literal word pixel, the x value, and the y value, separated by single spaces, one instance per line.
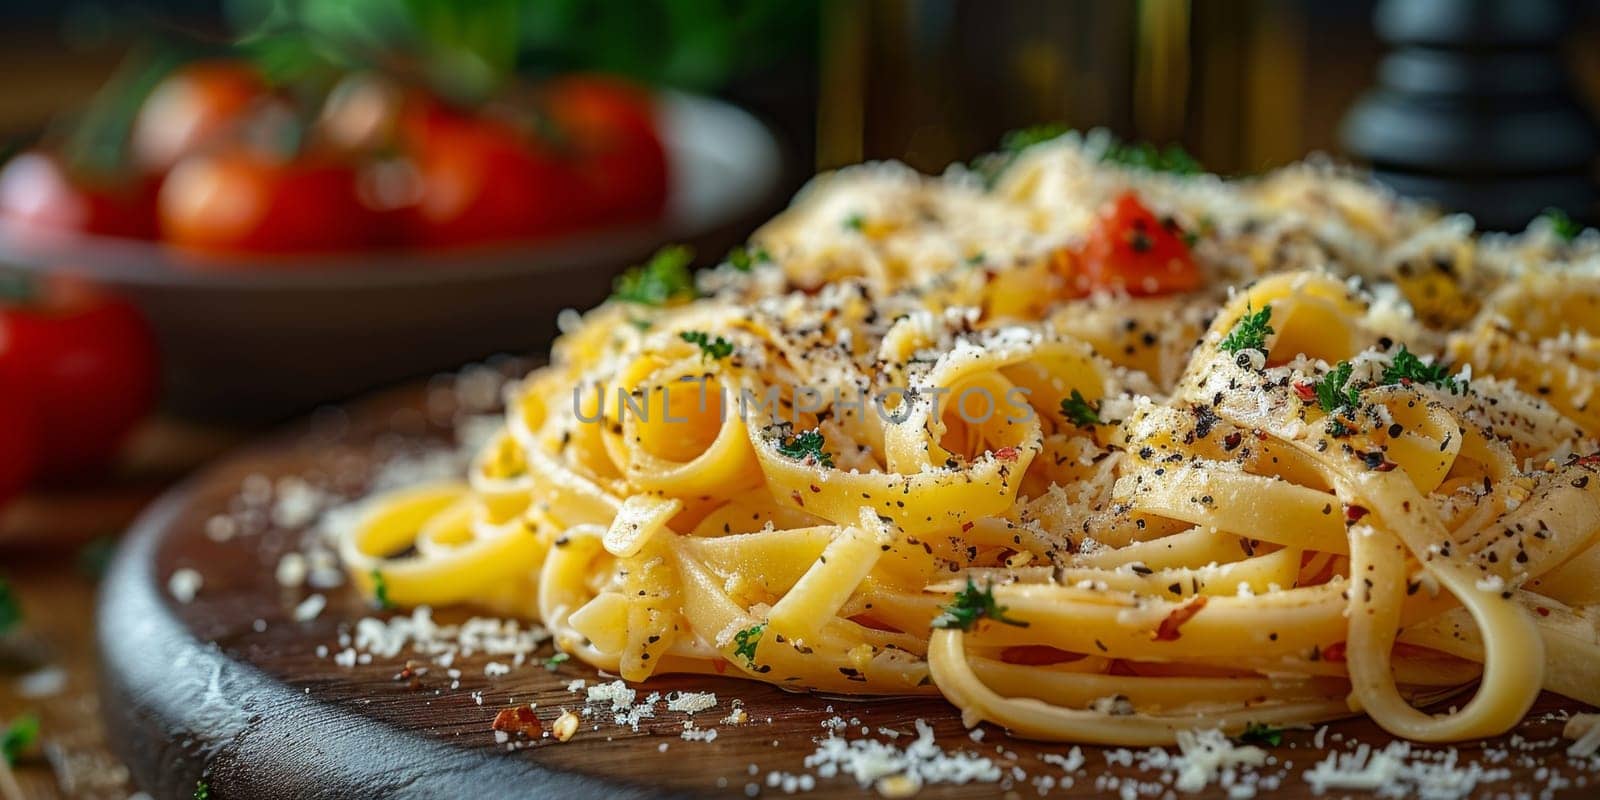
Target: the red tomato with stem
pixel 88 363
pixel 609 126
pixel 240 200
pixel 1132 250
pixel 196 106
pixel 38 191
pixel 483 180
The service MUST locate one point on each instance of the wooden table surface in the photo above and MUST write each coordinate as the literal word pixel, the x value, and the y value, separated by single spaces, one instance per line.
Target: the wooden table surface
pixel 53 545
pixel 230 688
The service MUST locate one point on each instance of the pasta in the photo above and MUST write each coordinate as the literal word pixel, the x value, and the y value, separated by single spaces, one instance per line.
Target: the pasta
pixel 899 446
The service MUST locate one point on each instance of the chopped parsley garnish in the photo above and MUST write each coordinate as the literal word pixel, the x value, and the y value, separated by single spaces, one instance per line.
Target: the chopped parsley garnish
pixel 971 605
pixel 855 222
pixel 661 280
pixel 1334 391
pixel 1079 411
pixel 1564 227
pixel 554 662
pixel 976 258
pixel 202 790
pixel 19 737
pixel 1250 332
pixel 1023 138
pixel 641 324
pixel 1146 156
pixel 1407 368
pixel 380 590
pixel 712 347
pixel 806 446
pixel 1256 733
pixel 10 611
pixel 743 258
pixel 745 642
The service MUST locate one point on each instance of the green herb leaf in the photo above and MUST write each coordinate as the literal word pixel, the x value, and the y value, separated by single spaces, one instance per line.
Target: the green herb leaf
pixel 1564 227
pixel 380 590
pixel 1250 332
pixel 807 446
pixel 1256 733
pixel 1143 155
pixel 855 222
pixel 554 662
pixel 1333 389
pixel 711 347
pixel 1023 138
pixel 10 611
pixel 664 279
pixel 1079 411
pixel 744 258
pixel 745 642
pixel 19 737
pixel 202 790
pixel 641 324
pixel 971 605
pixel 1407 368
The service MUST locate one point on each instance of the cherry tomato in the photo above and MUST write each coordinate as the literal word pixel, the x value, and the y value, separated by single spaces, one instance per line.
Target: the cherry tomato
pixel 19 445
pixel 38 192
pixel 610 126
pixel 1130 249
pixel 194 107
pixel 483 180
pixel 88 362
pixel 239 200
pixel 363 113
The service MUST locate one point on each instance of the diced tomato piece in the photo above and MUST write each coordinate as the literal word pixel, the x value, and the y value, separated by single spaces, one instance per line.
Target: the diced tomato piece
pixel 1130 249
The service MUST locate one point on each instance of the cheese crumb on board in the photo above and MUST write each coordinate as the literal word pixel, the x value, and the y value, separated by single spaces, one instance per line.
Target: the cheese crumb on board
pixel 691 702
pixel 310 608
pixel 184 584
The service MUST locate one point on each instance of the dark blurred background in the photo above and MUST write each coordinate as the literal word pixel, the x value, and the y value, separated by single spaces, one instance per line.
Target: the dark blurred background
pixel 1243 84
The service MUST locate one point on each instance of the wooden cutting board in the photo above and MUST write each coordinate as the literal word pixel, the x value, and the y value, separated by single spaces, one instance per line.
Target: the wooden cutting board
pixel 229 689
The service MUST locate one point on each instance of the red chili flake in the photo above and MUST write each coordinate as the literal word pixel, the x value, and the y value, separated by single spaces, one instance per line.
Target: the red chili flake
pixel 519 719
pixel 966 526
pixel 1589 460
pixel 1386 466
pixel 1307 392
pixel 798 500
pixel 1354 513
pixel 1006 454
pixel 1334 652
pixel 1543 612
pixel 1167 631
pixel 721 666
pixel 815 488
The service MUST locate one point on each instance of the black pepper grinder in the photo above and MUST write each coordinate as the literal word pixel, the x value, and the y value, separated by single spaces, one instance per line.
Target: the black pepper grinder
pixel 1474 110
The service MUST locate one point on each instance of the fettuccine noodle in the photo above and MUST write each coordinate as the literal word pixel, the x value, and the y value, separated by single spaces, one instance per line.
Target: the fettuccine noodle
pixel 854 468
